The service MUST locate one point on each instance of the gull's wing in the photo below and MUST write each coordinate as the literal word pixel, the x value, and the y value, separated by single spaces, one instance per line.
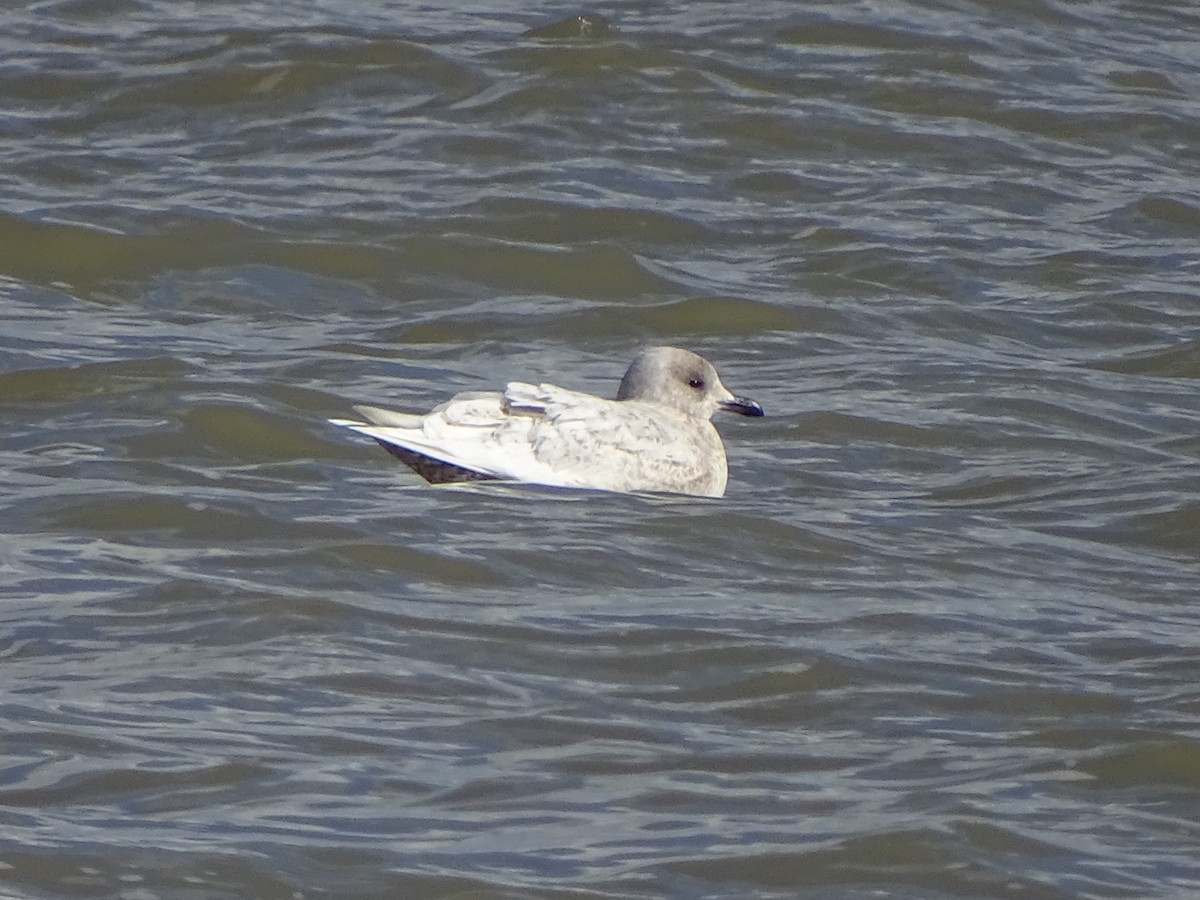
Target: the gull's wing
pixel 460 432
pixel 583 441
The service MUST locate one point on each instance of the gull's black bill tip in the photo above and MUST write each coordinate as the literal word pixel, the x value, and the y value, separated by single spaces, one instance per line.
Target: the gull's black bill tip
pixel 742 407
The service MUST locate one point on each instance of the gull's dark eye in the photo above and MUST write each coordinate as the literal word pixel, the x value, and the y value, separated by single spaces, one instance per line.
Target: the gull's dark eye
pixel 696 382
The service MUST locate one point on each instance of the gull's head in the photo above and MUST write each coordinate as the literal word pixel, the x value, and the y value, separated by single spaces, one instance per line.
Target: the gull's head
pixel 682 380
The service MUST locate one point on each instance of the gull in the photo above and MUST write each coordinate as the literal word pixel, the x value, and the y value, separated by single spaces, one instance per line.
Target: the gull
pixel 656 436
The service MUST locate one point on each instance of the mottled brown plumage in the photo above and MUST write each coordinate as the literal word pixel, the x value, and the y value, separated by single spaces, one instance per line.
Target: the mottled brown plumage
pixel 435 471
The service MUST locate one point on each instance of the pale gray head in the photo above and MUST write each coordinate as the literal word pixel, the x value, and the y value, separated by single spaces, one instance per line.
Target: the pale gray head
pixel 682 380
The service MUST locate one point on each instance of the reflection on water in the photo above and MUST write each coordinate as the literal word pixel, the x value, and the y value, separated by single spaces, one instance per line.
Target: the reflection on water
pixel 936 641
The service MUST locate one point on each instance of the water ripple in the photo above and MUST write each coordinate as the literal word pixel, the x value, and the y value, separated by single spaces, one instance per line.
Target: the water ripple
pixel 938 640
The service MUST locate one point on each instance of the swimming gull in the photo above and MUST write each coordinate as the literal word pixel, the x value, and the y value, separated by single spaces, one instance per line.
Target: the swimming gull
pixel 656 436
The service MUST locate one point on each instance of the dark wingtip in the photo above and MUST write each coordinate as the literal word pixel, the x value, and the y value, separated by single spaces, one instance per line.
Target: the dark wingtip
pixel 742 407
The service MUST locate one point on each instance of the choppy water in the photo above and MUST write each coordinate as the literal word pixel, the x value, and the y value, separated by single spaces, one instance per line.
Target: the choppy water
pixel 941 637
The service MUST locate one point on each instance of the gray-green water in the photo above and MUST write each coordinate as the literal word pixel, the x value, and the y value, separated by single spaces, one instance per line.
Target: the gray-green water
pixel 940 639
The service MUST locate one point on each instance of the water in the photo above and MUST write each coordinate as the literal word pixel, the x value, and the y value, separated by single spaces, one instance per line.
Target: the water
pixel 939 639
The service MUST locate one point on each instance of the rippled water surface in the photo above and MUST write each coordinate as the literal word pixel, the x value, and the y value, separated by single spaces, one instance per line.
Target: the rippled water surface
pixel 940 639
